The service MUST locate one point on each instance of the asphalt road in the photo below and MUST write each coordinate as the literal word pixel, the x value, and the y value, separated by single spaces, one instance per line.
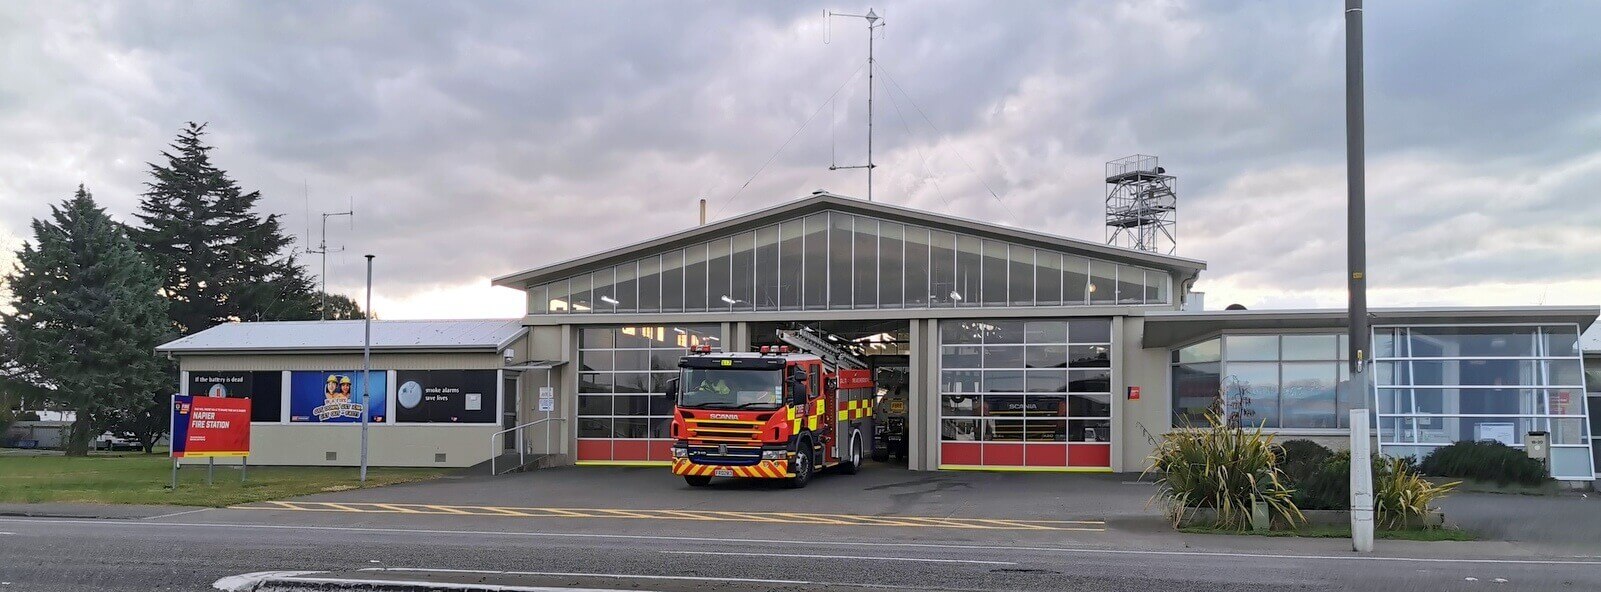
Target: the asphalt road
pixel 191 551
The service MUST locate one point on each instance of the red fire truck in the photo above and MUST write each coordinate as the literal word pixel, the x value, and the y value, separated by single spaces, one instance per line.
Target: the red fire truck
pixel 772 414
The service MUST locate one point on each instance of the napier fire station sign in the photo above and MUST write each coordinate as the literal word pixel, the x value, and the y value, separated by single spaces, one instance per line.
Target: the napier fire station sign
pixel 210 426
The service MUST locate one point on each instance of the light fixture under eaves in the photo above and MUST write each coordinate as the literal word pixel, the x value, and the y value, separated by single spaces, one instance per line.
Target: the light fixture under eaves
pixel 729 301
pixel 957 296
pixel 609 300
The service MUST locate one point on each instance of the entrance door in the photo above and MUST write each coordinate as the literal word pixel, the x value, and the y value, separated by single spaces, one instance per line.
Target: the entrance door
pixel 508 409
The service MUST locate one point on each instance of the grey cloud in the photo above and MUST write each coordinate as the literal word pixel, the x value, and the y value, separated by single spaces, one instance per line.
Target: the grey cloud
pixel 482 138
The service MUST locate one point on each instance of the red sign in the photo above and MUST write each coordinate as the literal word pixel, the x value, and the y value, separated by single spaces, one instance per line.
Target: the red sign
pixel 1133 393
pixel 210 426
pixel 855 379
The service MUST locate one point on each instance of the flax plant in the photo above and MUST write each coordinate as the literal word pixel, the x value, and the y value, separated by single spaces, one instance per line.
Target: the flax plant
pixel 1224 468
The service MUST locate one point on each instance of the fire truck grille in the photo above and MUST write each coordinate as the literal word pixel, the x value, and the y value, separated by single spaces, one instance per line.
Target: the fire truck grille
pixel 723 431
pixel 734 456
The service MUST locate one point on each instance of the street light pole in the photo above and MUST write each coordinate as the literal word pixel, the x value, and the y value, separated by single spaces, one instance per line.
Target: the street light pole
pixel 1356 263
pixel 366 371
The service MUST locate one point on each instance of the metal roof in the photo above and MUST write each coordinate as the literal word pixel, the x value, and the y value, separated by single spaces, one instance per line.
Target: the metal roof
pixel 1590 340
pixel 282 336
pixel 1172 328
pixel 821 201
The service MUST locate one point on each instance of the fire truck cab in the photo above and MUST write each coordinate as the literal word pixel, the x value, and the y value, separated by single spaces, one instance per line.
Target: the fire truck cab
pixel 772 414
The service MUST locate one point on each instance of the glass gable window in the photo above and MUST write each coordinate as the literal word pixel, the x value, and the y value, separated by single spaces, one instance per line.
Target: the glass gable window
pixel 1441 384
pixel 836 261
pixel 1293 381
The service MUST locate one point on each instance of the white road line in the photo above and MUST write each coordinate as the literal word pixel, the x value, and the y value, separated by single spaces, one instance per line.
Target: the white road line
pixel 7 533
pixel 740 541
pixel 565 574
pixel 175 514
pixel 247 581
pixel 433 585
pixel 861 557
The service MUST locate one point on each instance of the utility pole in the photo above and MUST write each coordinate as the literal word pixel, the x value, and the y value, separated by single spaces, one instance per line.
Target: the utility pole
pixel 1356 262
pixel 873 24
pixel 366 372
pixel 322 249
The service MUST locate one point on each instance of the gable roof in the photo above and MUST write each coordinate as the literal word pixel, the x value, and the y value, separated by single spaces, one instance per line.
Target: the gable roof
pixel 282 336
pixel 822 201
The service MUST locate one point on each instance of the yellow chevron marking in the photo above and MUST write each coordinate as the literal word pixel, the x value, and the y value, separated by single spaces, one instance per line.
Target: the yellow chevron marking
pixel 801 518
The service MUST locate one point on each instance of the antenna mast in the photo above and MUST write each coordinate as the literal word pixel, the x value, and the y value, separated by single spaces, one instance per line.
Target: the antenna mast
pixel 322 249
pixel 874 22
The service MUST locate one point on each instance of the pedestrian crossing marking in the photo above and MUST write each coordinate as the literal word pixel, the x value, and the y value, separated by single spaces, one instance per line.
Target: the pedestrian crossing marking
pixel 685 515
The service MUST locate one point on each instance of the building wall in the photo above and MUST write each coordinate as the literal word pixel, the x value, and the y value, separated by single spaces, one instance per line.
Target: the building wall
pixel 399 445
pixel 1140 423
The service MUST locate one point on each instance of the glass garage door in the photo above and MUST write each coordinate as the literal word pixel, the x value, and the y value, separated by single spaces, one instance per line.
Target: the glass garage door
pixel 623 413
pixel 1026 394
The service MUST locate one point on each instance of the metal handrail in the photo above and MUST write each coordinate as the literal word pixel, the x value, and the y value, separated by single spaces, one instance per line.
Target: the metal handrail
pixel 522 448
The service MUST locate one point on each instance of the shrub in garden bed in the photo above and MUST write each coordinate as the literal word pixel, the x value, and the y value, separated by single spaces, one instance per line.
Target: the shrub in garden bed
pixel 1321 480
pixel 1484 461
pixel 1225 469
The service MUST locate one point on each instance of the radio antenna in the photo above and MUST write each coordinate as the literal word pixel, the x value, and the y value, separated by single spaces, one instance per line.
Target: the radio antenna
pixel 323 250
pixel 874 24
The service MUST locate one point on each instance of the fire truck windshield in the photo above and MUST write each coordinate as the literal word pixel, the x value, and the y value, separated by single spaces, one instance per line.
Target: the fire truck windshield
pixel 720 388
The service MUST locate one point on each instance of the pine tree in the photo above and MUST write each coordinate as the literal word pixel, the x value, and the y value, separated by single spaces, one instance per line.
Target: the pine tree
pixel 218 259
pixel 87 319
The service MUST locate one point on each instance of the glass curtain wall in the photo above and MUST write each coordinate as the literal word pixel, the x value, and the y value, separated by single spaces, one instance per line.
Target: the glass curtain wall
pixel 1026 393
pixel 836 261
pixel 1291 381
pixel 1592 387
pixel 623 413
pixel 1442 384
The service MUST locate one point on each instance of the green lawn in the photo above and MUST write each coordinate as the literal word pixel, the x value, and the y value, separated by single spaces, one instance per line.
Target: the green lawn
pixel 1344 532
pixel 134 478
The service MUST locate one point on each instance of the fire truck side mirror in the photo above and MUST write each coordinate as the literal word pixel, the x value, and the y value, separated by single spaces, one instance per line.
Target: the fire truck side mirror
pixel 797 387
pixel 672 388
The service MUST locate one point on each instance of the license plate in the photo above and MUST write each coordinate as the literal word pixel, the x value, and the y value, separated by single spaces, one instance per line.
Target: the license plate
pixel 724 473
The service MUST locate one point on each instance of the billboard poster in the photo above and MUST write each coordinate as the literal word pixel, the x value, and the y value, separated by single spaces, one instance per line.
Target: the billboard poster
pixel 262 387
pixel 210 426
pixel 445 396
pixel 335 396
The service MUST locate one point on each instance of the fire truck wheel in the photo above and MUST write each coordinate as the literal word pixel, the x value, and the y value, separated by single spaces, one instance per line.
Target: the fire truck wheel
pixel 697 480
pixel 802 466
pixel 853 462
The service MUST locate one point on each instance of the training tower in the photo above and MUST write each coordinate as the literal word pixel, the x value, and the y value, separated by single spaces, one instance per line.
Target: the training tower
pixel 1141 205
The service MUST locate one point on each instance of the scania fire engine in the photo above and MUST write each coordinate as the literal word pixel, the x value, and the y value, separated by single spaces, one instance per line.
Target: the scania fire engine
pixel 770 414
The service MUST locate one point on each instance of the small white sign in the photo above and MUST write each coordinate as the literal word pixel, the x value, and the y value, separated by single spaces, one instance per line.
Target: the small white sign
pixel 546 392
pixel 547 405
pixel 475 401
pixel 1502 432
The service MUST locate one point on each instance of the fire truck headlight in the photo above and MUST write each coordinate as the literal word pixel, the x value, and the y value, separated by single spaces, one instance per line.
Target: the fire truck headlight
pixel 679 452
pixel 774 455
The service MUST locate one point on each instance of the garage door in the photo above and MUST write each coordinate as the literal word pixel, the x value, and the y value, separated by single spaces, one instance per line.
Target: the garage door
pixel 1026 394
pixel 623 412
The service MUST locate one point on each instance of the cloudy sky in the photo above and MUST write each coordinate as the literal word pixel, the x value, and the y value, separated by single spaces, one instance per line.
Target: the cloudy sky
pixel 476 139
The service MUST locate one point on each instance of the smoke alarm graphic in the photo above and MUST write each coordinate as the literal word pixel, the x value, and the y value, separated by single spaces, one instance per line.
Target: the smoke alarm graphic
pixel 410 394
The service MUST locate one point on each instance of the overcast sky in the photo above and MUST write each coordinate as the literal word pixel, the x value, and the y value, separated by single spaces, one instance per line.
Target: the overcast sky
pixel 477 139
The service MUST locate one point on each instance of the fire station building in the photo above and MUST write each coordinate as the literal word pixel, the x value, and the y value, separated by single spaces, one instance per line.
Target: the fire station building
pixel 997 348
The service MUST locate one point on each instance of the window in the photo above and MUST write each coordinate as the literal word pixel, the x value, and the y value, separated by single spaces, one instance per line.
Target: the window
pixel 841 242
pixel 1291 381
pixel 767 268
pixel 742 270
pixel 865 257
pixel 892 263
pixel 695 273
pixel 815 283
pixel 719 284
pixel 837 261
pixel 1441 384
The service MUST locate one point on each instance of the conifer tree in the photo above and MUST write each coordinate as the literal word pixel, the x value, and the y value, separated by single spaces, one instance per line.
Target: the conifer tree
pixel 218 258
pixel 87 318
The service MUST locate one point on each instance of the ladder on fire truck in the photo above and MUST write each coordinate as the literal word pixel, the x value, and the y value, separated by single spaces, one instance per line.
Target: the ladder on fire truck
pixel 811 341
